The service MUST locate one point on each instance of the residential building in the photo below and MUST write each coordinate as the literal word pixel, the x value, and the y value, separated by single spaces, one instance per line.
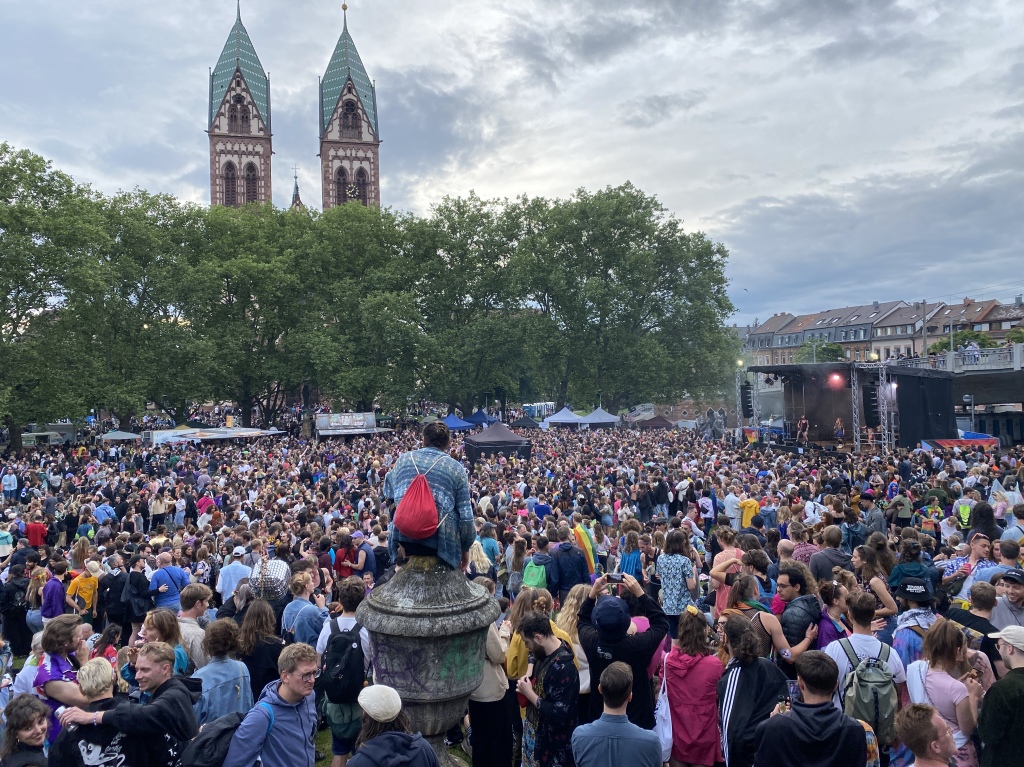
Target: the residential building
pixel 906 331
pixel 1001 319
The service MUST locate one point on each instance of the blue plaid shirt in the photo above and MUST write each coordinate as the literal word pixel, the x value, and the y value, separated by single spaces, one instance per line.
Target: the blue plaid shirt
pixel 450 488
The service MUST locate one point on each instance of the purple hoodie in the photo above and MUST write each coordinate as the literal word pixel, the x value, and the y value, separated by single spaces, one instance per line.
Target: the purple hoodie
pixel 53 598
pixel 827 631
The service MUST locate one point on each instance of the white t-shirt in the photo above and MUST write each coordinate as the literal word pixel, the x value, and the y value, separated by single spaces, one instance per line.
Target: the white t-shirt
pixel 865 647
pixel 344 624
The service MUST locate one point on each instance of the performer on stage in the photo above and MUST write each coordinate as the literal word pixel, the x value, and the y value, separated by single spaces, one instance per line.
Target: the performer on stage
pixel 803 426
pixel 839 430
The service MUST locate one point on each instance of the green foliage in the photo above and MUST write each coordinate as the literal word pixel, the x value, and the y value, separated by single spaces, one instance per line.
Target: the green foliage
pixel 138 298
pixel 962 338
pixel 1016 336
pixel 825 352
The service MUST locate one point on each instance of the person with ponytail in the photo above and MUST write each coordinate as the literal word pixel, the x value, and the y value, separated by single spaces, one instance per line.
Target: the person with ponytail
pixel 748 692
pixel 743 596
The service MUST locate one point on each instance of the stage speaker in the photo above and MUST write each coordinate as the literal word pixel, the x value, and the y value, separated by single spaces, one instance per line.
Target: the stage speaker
pixel 872 418
pixel 747 400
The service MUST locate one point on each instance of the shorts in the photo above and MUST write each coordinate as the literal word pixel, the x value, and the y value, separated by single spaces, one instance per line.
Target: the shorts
pixel 342 746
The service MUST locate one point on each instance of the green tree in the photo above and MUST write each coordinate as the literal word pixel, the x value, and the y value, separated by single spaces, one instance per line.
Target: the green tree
pixel 636 305
pixel 48 228
pixel 473 319
pixel 252 300
pixel 365 329
pixel 962 338
pixel 133 307
pixel 1016 336
pixel 819 352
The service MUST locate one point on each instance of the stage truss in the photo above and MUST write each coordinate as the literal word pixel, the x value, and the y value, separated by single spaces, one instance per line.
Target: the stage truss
pixel 888 411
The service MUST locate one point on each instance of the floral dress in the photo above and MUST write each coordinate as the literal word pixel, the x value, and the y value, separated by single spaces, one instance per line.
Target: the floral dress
pixel 674 569
pixel 547 731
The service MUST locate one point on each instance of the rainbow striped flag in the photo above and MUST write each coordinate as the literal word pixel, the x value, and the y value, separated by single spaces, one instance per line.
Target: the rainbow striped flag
pixel 586 546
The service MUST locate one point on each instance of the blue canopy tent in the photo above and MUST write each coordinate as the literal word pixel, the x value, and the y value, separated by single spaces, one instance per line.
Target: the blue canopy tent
pixel 480 418
pixel 455 423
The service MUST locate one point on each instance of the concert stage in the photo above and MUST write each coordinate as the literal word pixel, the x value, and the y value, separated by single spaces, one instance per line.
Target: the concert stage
pixel 900 405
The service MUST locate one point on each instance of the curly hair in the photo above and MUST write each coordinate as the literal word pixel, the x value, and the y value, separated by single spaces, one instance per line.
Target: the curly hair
pixel 21 713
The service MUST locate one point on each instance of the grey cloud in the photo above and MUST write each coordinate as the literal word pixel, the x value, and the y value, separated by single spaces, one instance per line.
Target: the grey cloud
pixel 647 111
pixel 883 237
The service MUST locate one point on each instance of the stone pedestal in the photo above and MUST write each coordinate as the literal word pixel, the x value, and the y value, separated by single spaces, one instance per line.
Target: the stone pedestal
pixel 428 627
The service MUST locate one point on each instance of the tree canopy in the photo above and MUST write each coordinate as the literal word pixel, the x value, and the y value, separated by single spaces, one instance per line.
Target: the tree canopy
pixel 962 338
pixel 116 302
pixel 819 352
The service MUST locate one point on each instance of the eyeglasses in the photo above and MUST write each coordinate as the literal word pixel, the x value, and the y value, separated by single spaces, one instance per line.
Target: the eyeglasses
pixel 307 678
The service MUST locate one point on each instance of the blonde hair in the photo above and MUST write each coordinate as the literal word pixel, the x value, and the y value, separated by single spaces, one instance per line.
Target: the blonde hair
pixel 96 677
pixel 34 592
pixel 569 616
pixel 478 558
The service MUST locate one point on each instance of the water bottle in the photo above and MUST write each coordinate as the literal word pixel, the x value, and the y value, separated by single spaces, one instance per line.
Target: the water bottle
pixel 60 710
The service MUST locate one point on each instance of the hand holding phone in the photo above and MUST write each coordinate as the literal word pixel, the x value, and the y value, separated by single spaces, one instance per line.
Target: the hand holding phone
pixel 614 577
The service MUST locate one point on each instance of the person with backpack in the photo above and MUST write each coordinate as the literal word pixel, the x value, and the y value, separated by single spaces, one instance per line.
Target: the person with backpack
pixel 280 729
pixel 344 648
pixel 871 673
pixel 541 570
pixel 794 737
pixel 437 520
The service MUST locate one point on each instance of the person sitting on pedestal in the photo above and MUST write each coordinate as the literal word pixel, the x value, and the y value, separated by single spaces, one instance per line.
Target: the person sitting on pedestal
pixel 449 486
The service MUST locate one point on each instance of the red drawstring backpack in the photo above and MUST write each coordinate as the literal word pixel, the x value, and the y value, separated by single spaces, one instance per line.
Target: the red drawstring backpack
pixel 416 516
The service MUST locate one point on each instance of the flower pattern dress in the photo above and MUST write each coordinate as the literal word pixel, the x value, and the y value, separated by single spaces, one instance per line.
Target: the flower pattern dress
pixel 547 731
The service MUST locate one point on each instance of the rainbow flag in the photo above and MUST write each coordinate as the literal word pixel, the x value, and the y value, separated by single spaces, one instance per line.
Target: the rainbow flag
pixel 750 434
pixel 585 545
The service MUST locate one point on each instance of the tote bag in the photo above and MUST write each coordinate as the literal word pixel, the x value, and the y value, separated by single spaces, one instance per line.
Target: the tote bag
pixel 663 716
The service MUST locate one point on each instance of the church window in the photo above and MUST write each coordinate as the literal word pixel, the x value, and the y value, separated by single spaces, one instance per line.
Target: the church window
pixel 250 183
pixel 351 124
pixel 341 186
pixel 362 186
pixel 243 115
pixel 230 186
pixel 233 118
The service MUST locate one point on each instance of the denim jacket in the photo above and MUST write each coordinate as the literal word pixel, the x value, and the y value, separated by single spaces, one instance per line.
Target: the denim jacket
pixel 225 689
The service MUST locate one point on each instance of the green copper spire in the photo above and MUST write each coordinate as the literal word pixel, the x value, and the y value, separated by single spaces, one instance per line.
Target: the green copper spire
pixel 345 64
pixel 239 53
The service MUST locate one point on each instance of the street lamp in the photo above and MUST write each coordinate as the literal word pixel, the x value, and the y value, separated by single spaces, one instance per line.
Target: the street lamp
pixel 969 399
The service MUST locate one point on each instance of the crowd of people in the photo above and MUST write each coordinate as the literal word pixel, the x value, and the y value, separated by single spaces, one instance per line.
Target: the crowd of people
pixel 663 599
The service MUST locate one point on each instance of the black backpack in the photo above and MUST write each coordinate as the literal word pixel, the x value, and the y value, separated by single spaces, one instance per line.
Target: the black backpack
pixel 383 561
pixel 342 673
pixel 18 598
pixel 210 747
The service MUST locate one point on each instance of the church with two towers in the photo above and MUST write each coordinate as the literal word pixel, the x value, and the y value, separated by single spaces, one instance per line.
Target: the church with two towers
pixel 241 134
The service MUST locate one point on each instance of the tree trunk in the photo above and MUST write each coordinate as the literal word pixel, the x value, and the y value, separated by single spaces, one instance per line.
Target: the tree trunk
pixel 14 430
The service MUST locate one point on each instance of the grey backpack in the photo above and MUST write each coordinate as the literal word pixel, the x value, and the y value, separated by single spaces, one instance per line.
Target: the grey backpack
pixel 869 693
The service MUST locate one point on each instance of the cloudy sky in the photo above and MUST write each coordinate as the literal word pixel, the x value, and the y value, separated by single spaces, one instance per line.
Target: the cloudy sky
pixel 844 151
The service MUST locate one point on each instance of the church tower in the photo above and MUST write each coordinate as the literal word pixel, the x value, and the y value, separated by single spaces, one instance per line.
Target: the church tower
pixel 349 135
pixel 239 125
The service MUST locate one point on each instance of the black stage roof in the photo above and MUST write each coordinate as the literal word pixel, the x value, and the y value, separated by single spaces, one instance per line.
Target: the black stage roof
pixel 818 368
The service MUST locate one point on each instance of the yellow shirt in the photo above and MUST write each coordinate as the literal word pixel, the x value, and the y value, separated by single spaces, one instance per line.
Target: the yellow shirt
pixel 517 659
pixel 84 586
pixel 748 509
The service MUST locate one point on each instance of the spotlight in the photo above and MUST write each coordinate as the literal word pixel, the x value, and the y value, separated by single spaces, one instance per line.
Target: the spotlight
pixel 835 380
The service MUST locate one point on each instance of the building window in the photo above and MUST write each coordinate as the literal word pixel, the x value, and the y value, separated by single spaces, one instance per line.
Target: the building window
pixel 230 186
pixel 243 119
pixel 351 124
pixel 856 356
pixel 233 118
pixel 847 354
pixel 341 186
pixel 362 186
pixel 250 183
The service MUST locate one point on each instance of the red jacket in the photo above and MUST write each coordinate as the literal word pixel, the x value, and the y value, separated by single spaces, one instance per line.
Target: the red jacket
pixel 36 534
pixel 693 700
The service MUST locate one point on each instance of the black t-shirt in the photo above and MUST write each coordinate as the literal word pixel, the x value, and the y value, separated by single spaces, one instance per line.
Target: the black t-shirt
pixel 981 625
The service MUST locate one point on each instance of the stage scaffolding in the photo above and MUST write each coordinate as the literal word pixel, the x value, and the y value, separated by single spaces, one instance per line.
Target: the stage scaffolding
pixel 861 373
